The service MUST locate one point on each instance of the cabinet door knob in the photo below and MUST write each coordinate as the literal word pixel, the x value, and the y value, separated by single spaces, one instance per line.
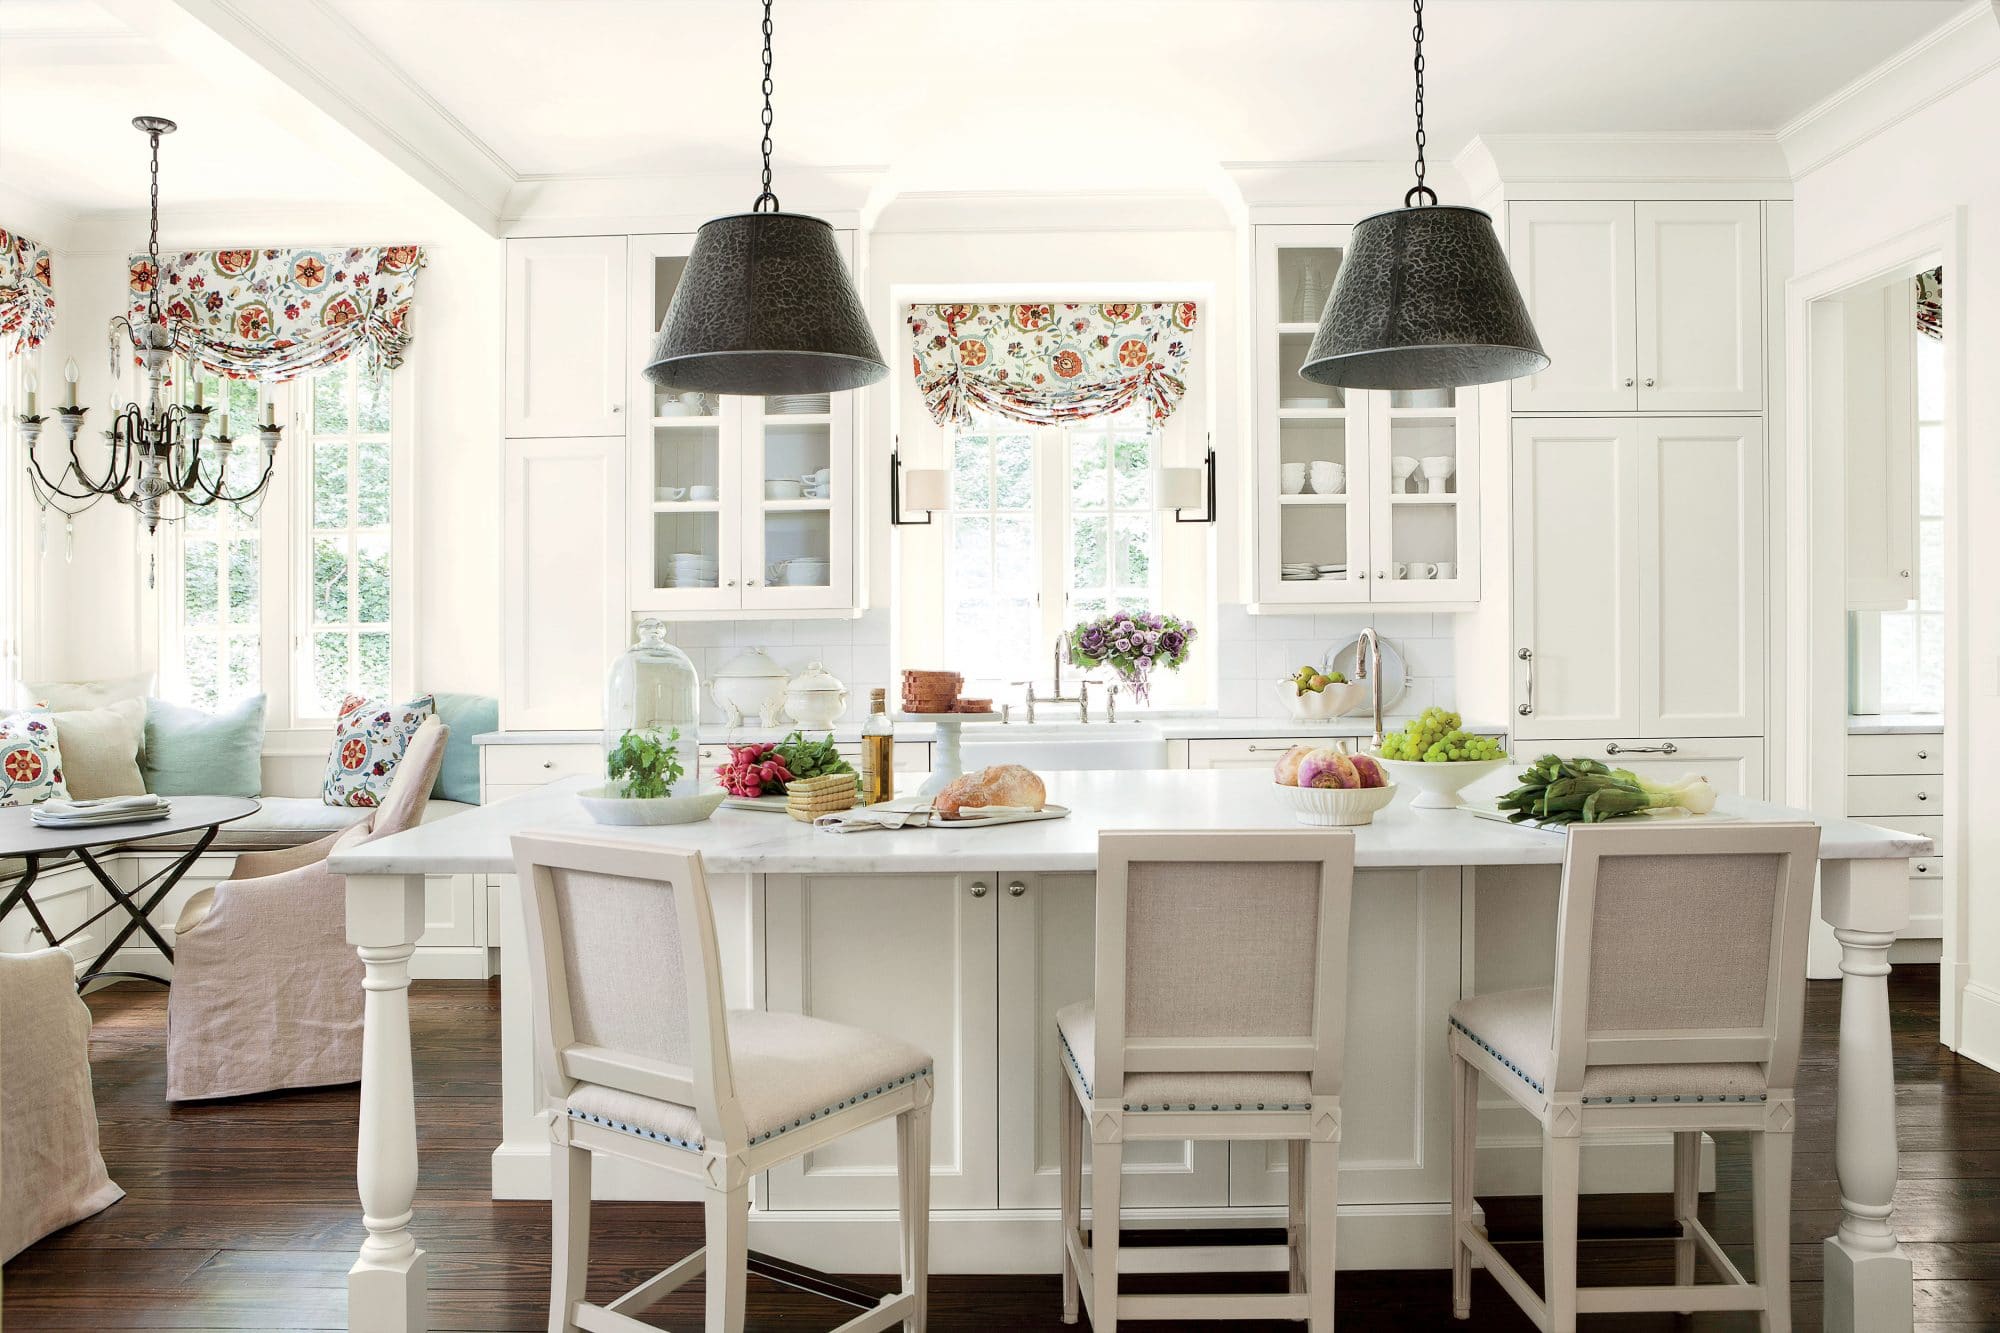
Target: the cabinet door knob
pixel 1380 574
pixel 1628 381
pixel 1902 573
pixel 730 584
pixel 548 763
pixel 1923 866
pixel 1649 381
pixel 979 888
pixel 1923 754
pixel 1923 796
pixel 616 408
pixel 751 583
pixel 1016 889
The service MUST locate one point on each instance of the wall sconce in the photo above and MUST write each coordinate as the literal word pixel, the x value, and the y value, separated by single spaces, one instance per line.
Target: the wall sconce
pixel 928 486
pixel 1189 487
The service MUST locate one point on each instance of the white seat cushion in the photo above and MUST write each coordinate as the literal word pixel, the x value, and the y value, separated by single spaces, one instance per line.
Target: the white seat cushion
pixel 1513 1026
pixel 790 1070
pixel 1233 1090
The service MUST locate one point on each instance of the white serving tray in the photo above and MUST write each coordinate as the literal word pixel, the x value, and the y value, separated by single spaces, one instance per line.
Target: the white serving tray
pixel 1009 816
pixel 1491 810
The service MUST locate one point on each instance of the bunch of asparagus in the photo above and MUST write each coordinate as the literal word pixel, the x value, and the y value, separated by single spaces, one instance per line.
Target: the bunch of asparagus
pixel 1583 791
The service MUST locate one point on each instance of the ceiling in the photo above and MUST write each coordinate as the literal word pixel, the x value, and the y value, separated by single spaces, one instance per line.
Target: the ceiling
pixel 939 94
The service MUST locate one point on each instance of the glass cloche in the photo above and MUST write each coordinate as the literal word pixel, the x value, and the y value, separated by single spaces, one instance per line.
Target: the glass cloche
pixel 654 691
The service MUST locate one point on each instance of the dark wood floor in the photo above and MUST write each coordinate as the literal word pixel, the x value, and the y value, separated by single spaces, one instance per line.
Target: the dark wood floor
pixel 242 1214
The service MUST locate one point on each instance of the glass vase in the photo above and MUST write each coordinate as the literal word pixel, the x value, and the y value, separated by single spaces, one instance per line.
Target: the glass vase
pixel 653 692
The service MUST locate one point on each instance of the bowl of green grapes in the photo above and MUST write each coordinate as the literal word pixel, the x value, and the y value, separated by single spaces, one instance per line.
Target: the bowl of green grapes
pixel 1438 759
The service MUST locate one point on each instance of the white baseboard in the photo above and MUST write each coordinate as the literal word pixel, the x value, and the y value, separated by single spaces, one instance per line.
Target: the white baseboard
pixel 1916 950
pixel 1979 1024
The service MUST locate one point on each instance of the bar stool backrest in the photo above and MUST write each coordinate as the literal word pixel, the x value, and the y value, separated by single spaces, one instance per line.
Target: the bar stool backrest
pixel 1222 951
pixel 626 974
pixel 1682 944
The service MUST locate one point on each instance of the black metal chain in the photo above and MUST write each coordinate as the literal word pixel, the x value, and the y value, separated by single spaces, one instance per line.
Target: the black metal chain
pixel 1417 33
pixel 153 235
pixel 758 207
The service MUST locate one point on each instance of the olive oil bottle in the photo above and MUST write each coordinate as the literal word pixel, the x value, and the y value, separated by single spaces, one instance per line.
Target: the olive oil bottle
pixel 878 751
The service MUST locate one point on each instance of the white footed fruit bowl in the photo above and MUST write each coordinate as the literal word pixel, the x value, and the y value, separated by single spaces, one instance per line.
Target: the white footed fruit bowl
pixel 606 806
pixel 1438 785
pixel 1323 705
pixel 1336 807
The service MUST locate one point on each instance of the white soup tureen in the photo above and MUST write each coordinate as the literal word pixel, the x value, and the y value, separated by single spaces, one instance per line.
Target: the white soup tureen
pixel 815 698
pixel 749 685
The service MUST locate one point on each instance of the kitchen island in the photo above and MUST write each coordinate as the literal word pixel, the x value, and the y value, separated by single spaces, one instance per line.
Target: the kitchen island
pixel 966 941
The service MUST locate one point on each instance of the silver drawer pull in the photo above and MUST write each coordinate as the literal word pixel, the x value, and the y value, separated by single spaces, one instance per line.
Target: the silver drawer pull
pixel 1923 754
pixel 1666 747
pixel 1923 796
pixel 1016 889
pixel 548 763
pixel 1527 706
pixel 979 888
pixel 1269 749
pixel 1923 867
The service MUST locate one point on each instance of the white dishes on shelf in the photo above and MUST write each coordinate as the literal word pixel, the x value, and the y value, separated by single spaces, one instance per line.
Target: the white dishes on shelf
pixel 1401 469
pixel 701 492
pixel 1327 477
pixel 802 572
pixel 670 494
pixel 691 569
pixel 1292 478
pixel 784 489
pixel 1437 471
pixel 1295 571
pixel 801 404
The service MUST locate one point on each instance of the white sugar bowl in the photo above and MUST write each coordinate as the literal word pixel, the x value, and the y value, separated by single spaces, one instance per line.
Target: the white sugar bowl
pixel 815 698
pixel 749 685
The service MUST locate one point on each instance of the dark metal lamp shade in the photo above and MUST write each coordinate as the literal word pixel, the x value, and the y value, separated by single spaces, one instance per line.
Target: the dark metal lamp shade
pixel 1424 300
pixel 765 306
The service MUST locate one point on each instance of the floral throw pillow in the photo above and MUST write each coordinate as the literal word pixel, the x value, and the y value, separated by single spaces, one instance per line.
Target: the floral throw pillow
pixel 30 764
pixel 368 742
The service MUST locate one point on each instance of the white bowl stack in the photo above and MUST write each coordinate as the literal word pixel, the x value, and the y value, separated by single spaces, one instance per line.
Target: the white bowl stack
pixel 691 569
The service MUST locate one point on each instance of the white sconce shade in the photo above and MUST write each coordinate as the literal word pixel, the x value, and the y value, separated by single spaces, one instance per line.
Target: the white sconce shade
pixel 926 488
pixel 1183 487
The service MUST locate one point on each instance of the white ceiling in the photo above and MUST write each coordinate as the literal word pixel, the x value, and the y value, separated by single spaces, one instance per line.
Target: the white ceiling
pixel 941 94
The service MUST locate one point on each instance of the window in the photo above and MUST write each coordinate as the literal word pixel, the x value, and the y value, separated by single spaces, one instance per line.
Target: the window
pixel 346 582
pixel 1912 641
pixel 295 601
pixel 1048 526
pixel 19 530
pixel 213 651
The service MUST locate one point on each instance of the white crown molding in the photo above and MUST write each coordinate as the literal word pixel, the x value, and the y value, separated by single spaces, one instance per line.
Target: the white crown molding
pixel 1928 70
pixel 122 232
pixel 992 212
pixel 1287 191
pixel 33 214
pixel 1688 164
pixel 639 203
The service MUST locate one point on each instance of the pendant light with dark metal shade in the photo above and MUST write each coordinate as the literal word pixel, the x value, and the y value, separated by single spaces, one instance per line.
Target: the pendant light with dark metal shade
pixel 765 304
pixel 1424 298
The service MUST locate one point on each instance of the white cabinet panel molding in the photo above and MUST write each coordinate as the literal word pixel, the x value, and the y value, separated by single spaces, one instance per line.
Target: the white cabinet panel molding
pixel 1701 577
pixel 1701 306
pixel 1574 262
pixel 565 336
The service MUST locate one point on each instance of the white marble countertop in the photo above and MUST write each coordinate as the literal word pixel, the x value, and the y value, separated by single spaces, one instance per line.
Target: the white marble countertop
pixel 755 842
pixel 1894 724
pixel 1194 726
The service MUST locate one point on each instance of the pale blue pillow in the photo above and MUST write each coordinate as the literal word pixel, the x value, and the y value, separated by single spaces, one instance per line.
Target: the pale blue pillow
pixel 192 753
pixel 467 715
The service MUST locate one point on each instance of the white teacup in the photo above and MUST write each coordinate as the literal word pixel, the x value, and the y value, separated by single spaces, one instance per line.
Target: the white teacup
pixel 701 492
pixel 1402 468
pixel 783 490
pixel 1446 569
pixel 670 492
pixel 1292 478
pixel 1421 569
pixel 1328 478
pixel 1399 570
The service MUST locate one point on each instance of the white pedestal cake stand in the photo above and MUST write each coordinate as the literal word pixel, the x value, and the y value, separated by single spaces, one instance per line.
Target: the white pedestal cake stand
pixel 946 762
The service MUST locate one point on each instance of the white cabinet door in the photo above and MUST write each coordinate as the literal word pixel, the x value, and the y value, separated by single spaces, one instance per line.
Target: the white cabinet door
pixel 1575 653
pixel 1864 396
pixel 1733 765
pixel 1048 960
pixel 1402 977
pixel 565 367
pixel 1701 306
pixel 563 580
pixel 910 955
pixel 1701 577
pixel 798 550
pixel 1574 263
pixel 1423 528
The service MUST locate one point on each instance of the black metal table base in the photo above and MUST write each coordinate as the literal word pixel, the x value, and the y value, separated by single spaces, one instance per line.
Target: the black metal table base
pixel 138 914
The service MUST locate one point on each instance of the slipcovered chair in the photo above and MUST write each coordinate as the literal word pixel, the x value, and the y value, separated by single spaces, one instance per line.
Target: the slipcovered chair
pixel 51 1172
pixel 640 1060
pixel 1679 996
pixel 1220 1012
pixel 267 990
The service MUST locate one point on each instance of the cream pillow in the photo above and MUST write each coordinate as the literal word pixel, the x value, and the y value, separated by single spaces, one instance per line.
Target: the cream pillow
pixel 64 695
pixel 100 749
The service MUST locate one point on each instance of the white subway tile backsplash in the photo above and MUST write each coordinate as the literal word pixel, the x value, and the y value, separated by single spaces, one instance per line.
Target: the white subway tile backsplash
pixel 1427 657
pixel 1235 657
pixel 1270 629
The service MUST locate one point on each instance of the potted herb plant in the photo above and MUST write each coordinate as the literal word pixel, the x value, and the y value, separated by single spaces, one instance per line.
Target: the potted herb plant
pixel 643 768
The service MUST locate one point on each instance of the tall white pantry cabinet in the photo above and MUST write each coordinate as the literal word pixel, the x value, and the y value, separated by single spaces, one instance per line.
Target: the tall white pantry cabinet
pixel 1638 505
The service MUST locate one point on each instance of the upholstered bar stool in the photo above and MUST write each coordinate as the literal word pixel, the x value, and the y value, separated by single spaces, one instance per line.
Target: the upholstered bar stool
pixel 1220 1011
pixel 1679 994
pixel 641 1061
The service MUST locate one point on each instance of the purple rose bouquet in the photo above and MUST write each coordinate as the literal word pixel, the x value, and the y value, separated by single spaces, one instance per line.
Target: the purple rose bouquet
pixel 1134 646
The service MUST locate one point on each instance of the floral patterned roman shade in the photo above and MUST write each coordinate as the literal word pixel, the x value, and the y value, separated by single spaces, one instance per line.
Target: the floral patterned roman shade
pixel 1050 362
pixel 1930 304
pixel 279 314
pixel 27 292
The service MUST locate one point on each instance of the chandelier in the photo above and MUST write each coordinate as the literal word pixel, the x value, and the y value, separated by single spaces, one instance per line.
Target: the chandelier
pixel 160 458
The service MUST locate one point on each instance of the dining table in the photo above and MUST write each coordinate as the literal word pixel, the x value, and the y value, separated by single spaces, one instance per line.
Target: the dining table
pixel 38 845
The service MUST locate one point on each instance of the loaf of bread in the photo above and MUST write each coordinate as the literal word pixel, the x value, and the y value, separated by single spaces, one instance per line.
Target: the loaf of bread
pixel 1003 784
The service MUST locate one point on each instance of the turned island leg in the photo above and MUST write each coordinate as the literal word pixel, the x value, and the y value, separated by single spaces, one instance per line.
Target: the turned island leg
pixel 386 1286
pixel 1868 1276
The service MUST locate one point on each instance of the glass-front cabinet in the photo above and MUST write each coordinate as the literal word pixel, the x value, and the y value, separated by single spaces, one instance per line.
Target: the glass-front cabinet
pixel 739 504
pixel 1357 491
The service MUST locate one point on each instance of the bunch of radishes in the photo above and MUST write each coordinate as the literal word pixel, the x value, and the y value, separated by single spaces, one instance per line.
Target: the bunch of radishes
pixel 754 770
pixel 1312 766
